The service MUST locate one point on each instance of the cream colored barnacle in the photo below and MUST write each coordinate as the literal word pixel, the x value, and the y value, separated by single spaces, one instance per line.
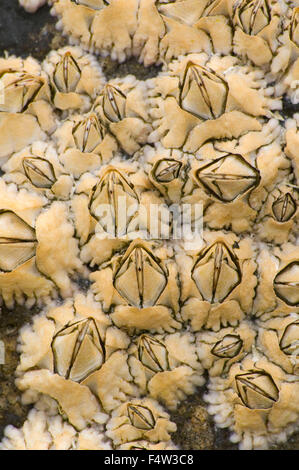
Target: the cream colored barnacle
pixel 218 351
pixel 289 341
pixel 166 367
pixel 279 340
pixel 228 347
pixel 286 284
pixel 39 171
pixel 168 175
pixel 140 419
pixel 142 288
pixel 117 195
pixel 20 89
pixel 216 273
pixel 78 350
pixel 257 389
pixel 140 278
pixel 166 170
pixel 114 103
pixel 152 353
pixel 203 92
pixel 228 177
pixel 88 134
pixel 17 241
pixel 67 74
pixel 284 208
pixel 252 15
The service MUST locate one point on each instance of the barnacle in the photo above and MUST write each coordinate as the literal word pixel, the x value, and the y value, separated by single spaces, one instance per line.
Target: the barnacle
pixel 104 186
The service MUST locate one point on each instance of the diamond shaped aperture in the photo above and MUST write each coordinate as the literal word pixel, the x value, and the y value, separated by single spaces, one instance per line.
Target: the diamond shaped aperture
pixel 153 353
pixel 78 350
pixel 114 103
pixel 286 284
pixel 203 92
pixel 228 177
pixel 141 417
pixel 39 171
pixel 140 278
pixel 17 241
pixel 216 273
pixel 166 170
pixel 88 134
pixel 228 347
pixel 257 389
pixel 284 208
pixel 289 342
pixel 114 202
pixel 67 74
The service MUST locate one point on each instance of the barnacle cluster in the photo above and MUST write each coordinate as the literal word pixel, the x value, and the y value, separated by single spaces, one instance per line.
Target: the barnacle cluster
pixel 131 314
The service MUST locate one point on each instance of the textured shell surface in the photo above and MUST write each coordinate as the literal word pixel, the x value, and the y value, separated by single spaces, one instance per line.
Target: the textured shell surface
pixel 96 173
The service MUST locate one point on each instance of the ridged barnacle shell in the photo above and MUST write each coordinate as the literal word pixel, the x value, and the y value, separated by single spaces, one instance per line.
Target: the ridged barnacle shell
pixel 228 177
pixel 216 272
pixel 284 208
pixel 294 27
pixel 20 89
pixel 140 278
pixel 257 389
pixel 289 342
pixel 286 283
pixel 39 171
pixel 153 353
pixel 141 417
pixel 116 194
pixel 228 347
pixel 88 134
pixel 252 16
pixel 17 241
pixel 203 92
pixel 114 103
pixel 67 74
pixel 166 170
pixel 78 350
pixel 93 4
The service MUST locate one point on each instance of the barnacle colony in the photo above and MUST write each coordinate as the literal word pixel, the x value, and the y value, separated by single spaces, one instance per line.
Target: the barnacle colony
pixel 104 368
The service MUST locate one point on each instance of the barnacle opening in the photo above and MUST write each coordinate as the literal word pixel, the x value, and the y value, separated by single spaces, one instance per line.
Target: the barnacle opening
pixel 228 177
pixel 141 417
pixel 153 353
pixel 17 241
pixel 166 170
pixel 114 103
pixel 216 272
pixel 78 350
pixel 67 74
pixel 289 342
pixel 284 208
pixel 228 347
pixel 88 134
pixel 140 278
pixel 203 92
pixel 39 171
pixel 257 389
pixel 286 283
pixel 114 202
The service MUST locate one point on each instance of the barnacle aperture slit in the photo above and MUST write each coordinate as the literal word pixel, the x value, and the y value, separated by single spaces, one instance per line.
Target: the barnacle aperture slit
pixel 216 272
